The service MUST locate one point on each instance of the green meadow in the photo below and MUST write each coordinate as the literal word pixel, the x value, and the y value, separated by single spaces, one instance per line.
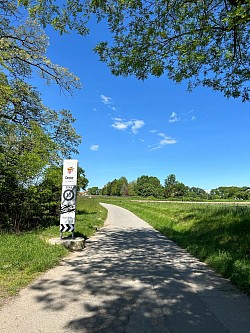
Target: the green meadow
pixel 217 234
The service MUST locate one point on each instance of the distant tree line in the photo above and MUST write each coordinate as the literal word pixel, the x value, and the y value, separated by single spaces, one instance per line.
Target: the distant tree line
pixel 149 186
pixel 231 192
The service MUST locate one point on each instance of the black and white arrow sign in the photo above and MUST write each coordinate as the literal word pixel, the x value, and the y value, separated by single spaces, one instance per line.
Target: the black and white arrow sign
pixel 67 227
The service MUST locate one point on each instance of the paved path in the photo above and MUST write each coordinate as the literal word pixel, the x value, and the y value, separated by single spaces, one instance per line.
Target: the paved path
pixel 128 279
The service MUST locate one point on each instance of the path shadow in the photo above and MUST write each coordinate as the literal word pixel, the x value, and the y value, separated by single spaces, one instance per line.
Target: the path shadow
pixel 135 281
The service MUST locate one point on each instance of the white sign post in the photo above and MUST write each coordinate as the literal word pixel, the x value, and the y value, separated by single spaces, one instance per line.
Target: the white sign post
pixel 68 201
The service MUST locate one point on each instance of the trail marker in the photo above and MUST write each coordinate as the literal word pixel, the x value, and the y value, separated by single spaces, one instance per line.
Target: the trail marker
pixel 68 200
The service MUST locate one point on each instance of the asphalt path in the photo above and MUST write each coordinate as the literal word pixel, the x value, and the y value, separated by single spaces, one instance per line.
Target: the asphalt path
pixel 128 279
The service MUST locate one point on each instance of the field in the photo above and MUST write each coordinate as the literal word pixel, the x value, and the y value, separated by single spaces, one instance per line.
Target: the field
pixel 217 234
pixel 25 256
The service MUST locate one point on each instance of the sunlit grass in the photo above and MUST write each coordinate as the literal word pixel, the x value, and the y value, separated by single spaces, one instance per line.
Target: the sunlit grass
pixel 216 234
pixel 23 257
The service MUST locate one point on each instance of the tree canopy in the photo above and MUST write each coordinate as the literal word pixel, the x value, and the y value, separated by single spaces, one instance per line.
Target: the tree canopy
pixel 23 46
pixel 205 42
pixel 33 138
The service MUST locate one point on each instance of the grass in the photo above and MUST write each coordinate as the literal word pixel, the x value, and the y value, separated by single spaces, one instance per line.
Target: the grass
pixel 216 234
pixel 23 257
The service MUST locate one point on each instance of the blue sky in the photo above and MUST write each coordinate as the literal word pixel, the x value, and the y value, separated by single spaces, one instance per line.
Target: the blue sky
pixel 132 128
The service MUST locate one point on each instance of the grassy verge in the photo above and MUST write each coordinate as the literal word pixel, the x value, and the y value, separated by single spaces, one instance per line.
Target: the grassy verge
pixel 23 257
pixel 216 234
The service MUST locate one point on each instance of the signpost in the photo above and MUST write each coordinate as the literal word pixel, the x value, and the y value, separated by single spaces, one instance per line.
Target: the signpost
pixel 68 201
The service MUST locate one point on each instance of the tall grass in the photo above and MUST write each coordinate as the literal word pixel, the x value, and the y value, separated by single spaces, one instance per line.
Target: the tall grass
pixel 23 257
pixel 216 234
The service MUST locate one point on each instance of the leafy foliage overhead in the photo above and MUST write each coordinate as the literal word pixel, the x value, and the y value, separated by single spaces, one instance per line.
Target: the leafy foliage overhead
pixel 23 46
pixel 205 42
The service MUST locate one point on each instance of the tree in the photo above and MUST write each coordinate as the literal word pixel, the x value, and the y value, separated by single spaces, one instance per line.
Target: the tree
pixel 204 42
pixel 24 155
pixel 82 181
pixel 230 192
pixel 107 189
pixel 33 138
pixel 181 190
pixel 122 186
pixel 169 185
pixel 48 196
pixel 132 188
pixel 149 186
pixel 26 151
pixel 24 107
pixel 196 192
pixel 117 187
pixel 173 188
pixel 23 46
pixel 93 190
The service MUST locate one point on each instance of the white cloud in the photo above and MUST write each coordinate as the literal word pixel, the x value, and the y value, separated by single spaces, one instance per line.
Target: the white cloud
pixel 94 147
pixel 120 124
pixel 166 140
pixel 106 100
pixel 174 118
pixel 134 125
pixel 158 147
pixel 137 124
pixel 183 117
